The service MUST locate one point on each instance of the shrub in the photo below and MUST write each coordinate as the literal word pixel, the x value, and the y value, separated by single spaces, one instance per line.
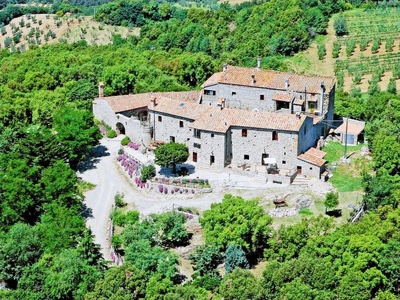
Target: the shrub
pixel 350 45
pixel 119 200
pixel 375 45
pixel 148 171
pixel 111 134
pixel 389 45
pixel 364 44
pixel 357 77
pixel 132 217
pixel 336 49
pixel 321 51
pixel 116 241
pixel 119 219
pixel 306 212
pixel 125 141
pixel 391 88
pixel 340 25
pixel 340 79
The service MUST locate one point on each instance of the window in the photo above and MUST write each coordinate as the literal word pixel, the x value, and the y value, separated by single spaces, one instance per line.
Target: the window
pixel 244 132
pixel 283 162
pixel 212 134
pixel 262 97
pixel 197 133
pixel 196 145
pixel 180 123
pixel 274 135
pixel 212 159
pixel 264 155
pixel 246 157
pixel 233 94
pixel 159 119
pixel 209 92
pixel 172 139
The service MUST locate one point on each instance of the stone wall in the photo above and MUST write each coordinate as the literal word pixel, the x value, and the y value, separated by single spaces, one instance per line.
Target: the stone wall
pixel 212 144
pixel 310 170
pixel 249 97
pixel 259 142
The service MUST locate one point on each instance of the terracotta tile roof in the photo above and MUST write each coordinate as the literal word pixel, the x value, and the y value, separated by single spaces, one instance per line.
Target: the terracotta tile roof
pixel 271 79
pixel 136 101
pixel 316 152
pixel 128 102
pixel 179 108
pixel 354 127
pixel 313 156
pixel 215 119
pixel 298 101
pixel 285 97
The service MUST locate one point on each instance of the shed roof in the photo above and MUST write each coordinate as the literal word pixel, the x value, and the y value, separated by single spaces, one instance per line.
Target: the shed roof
pixel 313 156
pixel 354 127
pixel 270 79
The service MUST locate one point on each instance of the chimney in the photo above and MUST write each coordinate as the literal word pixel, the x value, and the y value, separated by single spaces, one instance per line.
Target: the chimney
pixel 286 83
pixel 224 68
pixel 223 104
pixel 101 89
pixel 253 80
pixel 153 102
pixel 258 63
pixel 321 108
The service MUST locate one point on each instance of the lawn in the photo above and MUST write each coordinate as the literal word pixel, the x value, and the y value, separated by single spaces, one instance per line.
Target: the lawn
pixel 346 175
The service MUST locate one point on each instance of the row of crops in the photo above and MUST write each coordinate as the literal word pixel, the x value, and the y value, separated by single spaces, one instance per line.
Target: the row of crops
pixel 378 29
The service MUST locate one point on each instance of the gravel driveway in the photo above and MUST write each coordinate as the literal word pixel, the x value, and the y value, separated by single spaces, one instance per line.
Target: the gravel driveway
pixel 104 171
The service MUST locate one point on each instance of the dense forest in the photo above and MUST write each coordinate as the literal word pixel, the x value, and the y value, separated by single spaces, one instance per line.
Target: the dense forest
pixel 47 129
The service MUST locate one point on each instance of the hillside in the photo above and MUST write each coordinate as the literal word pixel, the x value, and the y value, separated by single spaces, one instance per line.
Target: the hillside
pixel 365 50
pixel 49 28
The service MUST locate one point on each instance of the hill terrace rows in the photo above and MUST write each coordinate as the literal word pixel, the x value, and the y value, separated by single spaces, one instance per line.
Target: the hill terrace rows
pixel 245 119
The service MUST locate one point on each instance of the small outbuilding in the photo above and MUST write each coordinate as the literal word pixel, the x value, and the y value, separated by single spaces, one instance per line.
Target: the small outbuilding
pixel 354 130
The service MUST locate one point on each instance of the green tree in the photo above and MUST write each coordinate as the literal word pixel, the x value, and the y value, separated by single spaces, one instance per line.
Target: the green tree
pixel 76 132
pixel 331 200
pixel 147 172
pixel 124 282
pixel 237 221
pixel 206 259
pixel 20 248
pixel 240 285
pixel 235 258
pixel 171 154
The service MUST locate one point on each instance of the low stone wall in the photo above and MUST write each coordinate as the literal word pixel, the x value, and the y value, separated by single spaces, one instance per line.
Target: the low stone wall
pixel 189 189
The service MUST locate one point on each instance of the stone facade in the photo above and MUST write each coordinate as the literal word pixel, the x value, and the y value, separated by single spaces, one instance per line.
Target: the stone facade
pixel 240 119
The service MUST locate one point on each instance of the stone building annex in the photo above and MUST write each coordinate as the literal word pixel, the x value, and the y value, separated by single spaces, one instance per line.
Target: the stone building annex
pixel 246 119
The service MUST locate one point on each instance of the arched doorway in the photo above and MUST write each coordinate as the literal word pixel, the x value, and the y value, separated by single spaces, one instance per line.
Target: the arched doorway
pixel 120 128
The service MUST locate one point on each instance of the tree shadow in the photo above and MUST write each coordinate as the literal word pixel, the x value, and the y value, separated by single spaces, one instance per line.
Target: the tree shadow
pixel 86 212
pixel 93 158
pixel 184 169
pixel 334 213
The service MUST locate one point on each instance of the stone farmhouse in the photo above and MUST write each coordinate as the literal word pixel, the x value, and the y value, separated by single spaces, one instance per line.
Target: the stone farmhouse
pixel 246 119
